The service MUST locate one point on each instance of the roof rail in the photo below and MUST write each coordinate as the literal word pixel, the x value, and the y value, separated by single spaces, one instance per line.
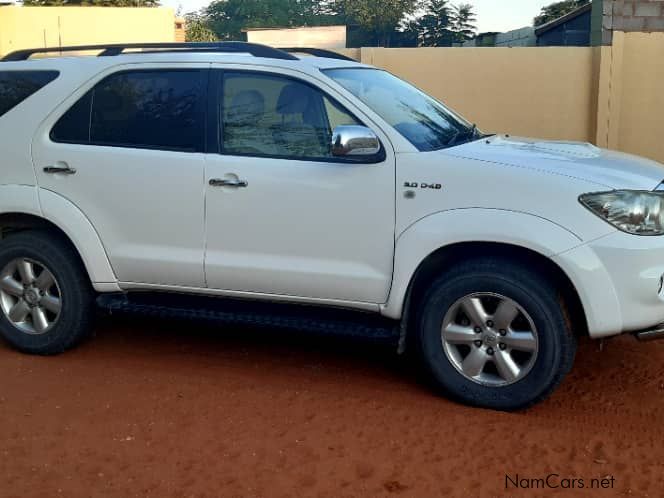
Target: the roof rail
pixel 254 49
pixel 318 52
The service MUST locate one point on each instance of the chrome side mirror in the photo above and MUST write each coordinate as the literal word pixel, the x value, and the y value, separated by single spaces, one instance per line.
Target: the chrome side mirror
pixel 354 141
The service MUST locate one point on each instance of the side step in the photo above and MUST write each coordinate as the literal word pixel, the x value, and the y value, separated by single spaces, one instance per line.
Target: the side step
pixel 324 320
pixel 651 334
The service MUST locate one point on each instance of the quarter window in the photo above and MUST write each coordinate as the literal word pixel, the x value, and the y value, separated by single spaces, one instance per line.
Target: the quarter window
pixel 162 109
pixel 275 116
pixel 16 86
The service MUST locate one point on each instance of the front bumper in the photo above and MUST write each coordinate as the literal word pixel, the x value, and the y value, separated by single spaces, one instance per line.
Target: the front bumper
pixel 619 278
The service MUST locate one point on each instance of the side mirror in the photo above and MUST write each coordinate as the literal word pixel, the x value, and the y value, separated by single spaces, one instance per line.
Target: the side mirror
pixel 355 141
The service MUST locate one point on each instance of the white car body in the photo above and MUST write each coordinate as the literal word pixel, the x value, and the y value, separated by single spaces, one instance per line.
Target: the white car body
pixel 328 234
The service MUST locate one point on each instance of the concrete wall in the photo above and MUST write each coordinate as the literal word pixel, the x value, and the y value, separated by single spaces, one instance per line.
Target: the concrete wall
pixel 327 37
pixel 29 27
pixel 180 29
pixel 524 37
pixel 634 15
pixel 632 95
pixel 544 92
pixel 627 16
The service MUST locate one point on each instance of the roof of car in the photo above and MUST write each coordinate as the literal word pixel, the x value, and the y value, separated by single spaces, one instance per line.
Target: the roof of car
pixel 222 52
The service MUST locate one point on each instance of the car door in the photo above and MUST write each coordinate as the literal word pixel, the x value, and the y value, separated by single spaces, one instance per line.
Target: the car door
pixel 128 151
pixel 283 216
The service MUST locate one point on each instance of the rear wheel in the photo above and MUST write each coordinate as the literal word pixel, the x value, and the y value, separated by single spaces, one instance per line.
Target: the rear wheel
pixel 46 300
pixel 493 334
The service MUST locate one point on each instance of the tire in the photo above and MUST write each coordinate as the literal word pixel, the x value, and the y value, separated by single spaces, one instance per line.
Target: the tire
pixel 521 367
pixel 58 317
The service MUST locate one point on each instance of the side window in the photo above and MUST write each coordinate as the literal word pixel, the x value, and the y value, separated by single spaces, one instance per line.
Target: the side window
pixel 276 116
pixel 74 126
pixel 16 86
pixel 158 109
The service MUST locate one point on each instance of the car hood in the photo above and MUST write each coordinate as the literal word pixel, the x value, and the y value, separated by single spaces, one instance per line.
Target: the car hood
pixel 614 170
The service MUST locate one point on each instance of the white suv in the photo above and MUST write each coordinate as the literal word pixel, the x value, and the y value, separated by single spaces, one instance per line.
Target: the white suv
pixel 241 182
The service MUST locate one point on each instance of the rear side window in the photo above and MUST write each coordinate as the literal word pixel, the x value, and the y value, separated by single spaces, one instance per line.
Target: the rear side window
pixel 158 109
pixel 74 126
pixel 16 86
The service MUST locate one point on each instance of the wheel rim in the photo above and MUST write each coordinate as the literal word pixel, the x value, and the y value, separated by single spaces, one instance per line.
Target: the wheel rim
pixel 30 296
pixel 490 339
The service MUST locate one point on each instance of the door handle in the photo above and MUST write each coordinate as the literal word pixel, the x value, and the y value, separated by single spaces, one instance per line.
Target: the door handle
pixel 218 182
pixel 62 170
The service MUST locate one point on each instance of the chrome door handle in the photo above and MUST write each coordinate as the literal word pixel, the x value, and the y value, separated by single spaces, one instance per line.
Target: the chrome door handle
pixel 62 170
pixel 218 182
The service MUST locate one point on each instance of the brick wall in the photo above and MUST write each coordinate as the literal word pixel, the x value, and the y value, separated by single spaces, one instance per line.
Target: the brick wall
pixel 633 15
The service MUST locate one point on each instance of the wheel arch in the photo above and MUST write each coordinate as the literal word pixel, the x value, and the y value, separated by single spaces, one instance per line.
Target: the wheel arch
pixel 14 222
pixel 82 238
pixel 445 257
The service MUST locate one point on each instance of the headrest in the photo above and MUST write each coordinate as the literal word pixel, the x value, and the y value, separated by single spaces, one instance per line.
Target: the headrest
pixel 294 99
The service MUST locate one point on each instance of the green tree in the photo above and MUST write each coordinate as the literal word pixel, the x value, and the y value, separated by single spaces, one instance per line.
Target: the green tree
pixel 227 18
pixel 379 17
pixel 463 22
pixel 434 26
pixel 197 29
pixel 442 24
pixel 557 9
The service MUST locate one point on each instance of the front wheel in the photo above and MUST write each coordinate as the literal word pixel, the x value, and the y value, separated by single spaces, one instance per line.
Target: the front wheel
pixel 493 334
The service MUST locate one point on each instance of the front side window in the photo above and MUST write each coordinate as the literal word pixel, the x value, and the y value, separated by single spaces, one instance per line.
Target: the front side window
pixel 275 116
pixel 16 86
pixel 422 120
pixel 156 109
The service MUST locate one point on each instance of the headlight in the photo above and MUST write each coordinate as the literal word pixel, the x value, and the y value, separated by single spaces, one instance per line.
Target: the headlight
pixel 632 211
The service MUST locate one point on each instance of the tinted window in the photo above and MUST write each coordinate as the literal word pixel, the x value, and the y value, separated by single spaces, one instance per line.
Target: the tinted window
pixel 276 116
pixel 74 126
pixel 16 86
pixel 162 109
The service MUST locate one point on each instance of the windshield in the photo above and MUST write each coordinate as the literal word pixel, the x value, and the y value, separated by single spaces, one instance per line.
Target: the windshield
pixel 422 120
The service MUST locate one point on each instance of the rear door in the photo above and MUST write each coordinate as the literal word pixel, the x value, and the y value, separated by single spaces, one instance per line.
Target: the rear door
pixel 128 151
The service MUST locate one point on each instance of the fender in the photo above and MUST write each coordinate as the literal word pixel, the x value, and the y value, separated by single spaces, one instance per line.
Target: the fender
pixel 66 216
pixel 445 228
pixel 20 199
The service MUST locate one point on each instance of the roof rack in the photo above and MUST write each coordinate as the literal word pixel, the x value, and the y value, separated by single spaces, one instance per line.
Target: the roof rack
pixel 254 49
pixel 317 52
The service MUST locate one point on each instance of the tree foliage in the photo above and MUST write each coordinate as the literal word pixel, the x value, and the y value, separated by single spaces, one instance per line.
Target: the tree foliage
pixel 434 26
pixel 380 17
pixel 558 9
pixel 197 29
pixel 463 22
pixel 381 22
pixel 227 18
pixel 443 24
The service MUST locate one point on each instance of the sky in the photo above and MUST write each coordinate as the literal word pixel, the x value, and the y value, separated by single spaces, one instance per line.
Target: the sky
pixel 492 15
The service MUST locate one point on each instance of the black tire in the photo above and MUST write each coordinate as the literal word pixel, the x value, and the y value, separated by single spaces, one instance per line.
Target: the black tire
pixel 536 295
pixel 75 319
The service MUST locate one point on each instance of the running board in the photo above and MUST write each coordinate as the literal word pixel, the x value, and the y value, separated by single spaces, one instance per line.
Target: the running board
pixel 652 334
pixel 324 320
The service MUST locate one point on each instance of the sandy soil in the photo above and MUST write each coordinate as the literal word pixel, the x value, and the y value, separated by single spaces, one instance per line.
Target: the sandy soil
pixel 179 409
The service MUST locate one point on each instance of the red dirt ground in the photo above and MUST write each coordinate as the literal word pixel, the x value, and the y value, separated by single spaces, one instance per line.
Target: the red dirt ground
pixel 177 409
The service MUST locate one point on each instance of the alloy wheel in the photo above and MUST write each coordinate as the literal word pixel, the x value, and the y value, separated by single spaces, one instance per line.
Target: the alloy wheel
pixel 490 339
pixel 30 297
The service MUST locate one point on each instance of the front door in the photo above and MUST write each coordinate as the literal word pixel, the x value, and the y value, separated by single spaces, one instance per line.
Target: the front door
pixel 284 217
pixel 128 152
